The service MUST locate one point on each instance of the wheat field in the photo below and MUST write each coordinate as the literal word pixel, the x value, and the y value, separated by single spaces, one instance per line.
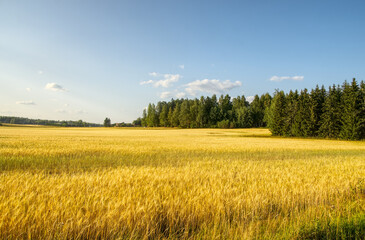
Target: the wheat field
pixel 109 183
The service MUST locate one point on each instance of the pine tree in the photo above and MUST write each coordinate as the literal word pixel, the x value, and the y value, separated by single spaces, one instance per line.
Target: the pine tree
pixel 175 122
pixel 194 111
pixel 152 117
pixel 201 116
pixel 292 126
pixel 225 108
pixel 318 97
pixel 257 112
pixel 351 114
pixel 331 117
pixel 214 113
pixel 184 116
pixel 362 107
pixel 169 117
pixel 164 116
pixel 277 114
pixel 266 101
pixel 304 115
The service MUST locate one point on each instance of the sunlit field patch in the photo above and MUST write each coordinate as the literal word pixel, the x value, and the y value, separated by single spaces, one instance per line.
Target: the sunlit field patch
pixel 108 183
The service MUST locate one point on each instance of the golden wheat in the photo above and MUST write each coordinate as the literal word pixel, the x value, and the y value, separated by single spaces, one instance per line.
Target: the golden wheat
pixel 80 183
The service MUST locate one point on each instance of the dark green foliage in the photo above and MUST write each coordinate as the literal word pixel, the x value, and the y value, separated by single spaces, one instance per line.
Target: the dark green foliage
pixel 352 120
pixel 331 118
pixel 107 122
pixel 207 112
pixel 277 117
pixel 137 122
pixel 336 113
pixel 27 121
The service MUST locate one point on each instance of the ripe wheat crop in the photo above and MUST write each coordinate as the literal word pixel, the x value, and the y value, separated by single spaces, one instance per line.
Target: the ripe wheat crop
pixel 88 183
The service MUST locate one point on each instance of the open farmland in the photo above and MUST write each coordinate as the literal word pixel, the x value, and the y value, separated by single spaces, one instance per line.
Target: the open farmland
pixel 62 183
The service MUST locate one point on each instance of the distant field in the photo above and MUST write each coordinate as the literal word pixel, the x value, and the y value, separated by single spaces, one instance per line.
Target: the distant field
pixel 107 183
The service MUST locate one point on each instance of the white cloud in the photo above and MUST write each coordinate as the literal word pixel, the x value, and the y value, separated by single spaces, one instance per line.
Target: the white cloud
pixel 250 99
pixel 282 78
pixel 167 80
pixel 180 95
pixel 164 95
pixel 146 82
pixel 153 74
pixel 54 87
pixel 182 66
pixel 28 89
pixel 40 72
pixel 210 86
pixel 25 102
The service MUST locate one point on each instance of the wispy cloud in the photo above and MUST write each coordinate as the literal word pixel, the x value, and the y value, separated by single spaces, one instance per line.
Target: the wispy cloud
pixel 166 82
pixel 55 87
pixel 282 78
pixel 28 89
pixel 146 82
pixel 182 66
pixel 25 102
pixel 165 95
pixel 153 74
pixel 180 95
pixel 40 72
pixel 210 86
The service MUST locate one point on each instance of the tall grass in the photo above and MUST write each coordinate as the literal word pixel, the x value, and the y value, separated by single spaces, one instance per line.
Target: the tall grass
pixel 58 183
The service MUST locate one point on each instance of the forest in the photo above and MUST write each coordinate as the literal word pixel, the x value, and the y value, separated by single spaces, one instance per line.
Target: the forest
pixel 337 112
pixel 28 121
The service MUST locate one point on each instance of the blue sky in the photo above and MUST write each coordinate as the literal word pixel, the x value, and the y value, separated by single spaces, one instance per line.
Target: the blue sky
pixel 94 59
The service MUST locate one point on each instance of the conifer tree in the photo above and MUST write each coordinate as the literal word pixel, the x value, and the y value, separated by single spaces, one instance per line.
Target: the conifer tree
pixel 277 114
pixel 304 115
pixel 257 112
pixel 184 116
pixel 331 116
pixel 318 96
pixel 362 109
pixel 292 126
pixel 175 121
pixel 351 114
pixel 169 117
pixel 164 116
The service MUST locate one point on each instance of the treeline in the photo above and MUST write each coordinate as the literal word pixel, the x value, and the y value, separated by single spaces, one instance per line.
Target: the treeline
pixel 208 112
pixel 28 121
pixel 338 112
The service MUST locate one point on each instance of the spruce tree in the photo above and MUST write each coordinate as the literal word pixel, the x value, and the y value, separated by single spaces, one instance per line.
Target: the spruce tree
pixel 175 121
pixel 351 112
pixel 304 115
pixel 277 114
pixel 331 117
pixel 318 96
pixel 184 116
pixel 164 116
pixel 292 126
